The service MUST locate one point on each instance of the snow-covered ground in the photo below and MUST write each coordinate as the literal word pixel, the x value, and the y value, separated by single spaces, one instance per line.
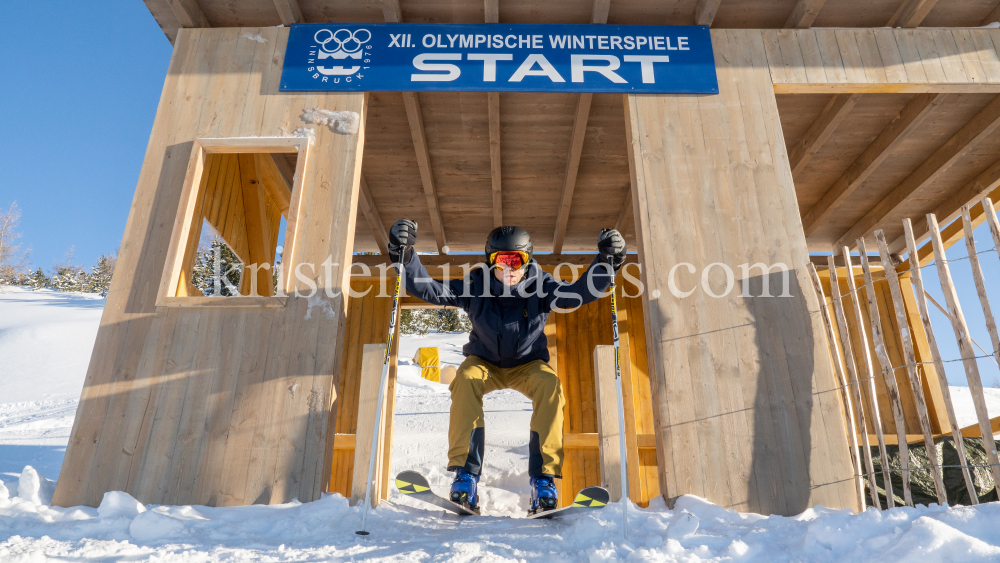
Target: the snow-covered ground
pixel 45 344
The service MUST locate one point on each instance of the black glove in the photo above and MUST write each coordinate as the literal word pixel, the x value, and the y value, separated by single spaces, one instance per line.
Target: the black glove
pixel 402 234
pixel 611 244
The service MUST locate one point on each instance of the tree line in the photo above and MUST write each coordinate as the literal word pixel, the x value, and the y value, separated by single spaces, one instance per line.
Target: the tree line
pixel 16 267
pixel 217 271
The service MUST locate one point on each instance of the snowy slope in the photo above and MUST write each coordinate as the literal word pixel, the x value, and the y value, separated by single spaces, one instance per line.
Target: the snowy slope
pixel 45 344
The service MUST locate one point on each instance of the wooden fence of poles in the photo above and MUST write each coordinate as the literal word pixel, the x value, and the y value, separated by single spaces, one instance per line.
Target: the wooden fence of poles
pixel 856 372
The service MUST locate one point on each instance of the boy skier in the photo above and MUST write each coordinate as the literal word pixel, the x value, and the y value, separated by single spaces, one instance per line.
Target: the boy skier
pixel 507 347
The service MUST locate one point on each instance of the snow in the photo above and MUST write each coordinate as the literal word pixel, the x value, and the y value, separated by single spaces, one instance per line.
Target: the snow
pixel 965 410
pixel 254 37
pixel 45 345
pixel 343 122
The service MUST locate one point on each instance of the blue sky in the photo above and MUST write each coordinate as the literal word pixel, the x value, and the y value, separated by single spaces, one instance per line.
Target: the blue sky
pixel 80 97
pixel 80 89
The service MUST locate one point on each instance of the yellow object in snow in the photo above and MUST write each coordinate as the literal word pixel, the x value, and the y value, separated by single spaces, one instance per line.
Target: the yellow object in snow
pixel 429 359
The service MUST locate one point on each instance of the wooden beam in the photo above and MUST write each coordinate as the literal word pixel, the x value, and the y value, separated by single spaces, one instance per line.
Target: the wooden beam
pixel 987 182
pixel 910 13
pixel 343 441
pixel 590 440
pixel 871 158
pixel 626 213
pixel 993 17
pixel 974 431
pixel 572 168
pixel 436 263
pixel 599 15
pixel 822 264
pixel 258 230
pixel 275 183
pixel 493 103
pixel 391 11
pixel 367 204
pixel 289 11
pixel 413 115
pixel 978 128
pixel 285 168
pixel 804 14
pixel 491 13
pixel 188 13
pixel 815 61
pixel 704 11
pixel 820 131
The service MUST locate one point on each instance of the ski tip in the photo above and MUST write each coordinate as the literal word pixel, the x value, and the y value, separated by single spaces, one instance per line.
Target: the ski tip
pixel 411 482
pixel 592 497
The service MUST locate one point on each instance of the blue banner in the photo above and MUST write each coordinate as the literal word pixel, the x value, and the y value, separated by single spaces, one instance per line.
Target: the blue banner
pixel 628 59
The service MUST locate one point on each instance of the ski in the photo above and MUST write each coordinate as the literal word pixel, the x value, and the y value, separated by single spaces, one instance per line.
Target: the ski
pixel 589 498
pixel 415 485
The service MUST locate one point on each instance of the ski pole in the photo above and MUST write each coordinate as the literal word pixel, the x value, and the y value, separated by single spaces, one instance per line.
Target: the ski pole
pixel 381 394
pixel 621 403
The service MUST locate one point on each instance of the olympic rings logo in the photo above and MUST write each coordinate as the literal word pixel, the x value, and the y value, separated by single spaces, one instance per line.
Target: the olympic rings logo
pixel 346 40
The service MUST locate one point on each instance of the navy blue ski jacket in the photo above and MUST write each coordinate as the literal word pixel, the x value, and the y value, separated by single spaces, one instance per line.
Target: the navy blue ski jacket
pixel 508 324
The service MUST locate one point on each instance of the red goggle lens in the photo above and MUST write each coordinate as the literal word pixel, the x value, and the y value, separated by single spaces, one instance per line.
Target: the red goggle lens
pixel 513 259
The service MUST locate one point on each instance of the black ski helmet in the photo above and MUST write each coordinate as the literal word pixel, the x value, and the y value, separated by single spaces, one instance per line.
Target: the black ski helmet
pixel 508 238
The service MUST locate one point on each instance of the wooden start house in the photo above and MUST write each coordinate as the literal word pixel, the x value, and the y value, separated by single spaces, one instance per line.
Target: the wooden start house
pixel 832 125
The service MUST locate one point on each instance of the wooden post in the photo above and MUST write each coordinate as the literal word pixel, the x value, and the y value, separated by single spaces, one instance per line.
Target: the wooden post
pixel 838 365
pixel 925 320
pixel 743 403
pixel 870 377
pixel 991 218
pixel 888 373
pixel 388 418
pixel 852 371
pixel 961 330
pixel 607 420
pixel 371 378
pixel 977 275
pixel 910 358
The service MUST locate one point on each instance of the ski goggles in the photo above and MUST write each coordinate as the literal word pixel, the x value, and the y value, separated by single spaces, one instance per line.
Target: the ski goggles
pixel 512 259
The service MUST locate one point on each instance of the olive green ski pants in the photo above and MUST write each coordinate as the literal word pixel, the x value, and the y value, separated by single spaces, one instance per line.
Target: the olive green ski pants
pixel 535 380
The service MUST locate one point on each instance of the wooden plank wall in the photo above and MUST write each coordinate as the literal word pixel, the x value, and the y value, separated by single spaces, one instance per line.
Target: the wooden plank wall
pixel 894 348
pixel 367 323
pixel 572 338
pixel 881 60
pixel 744 392
pixel 219 406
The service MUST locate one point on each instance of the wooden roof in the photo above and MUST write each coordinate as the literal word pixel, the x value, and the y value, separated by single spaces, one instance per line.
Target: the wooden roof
pixel 427 156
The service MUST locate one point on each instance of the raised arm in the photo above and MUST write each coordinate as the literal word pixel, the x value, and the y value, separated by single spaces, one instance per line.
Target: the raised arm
pixel 418 282
pixel 595 281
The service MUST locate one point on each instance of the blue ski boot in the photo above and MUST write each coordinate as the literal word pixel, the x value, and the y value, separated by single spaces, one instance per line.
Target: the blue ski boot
pixel 463 490
pixel 544 496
